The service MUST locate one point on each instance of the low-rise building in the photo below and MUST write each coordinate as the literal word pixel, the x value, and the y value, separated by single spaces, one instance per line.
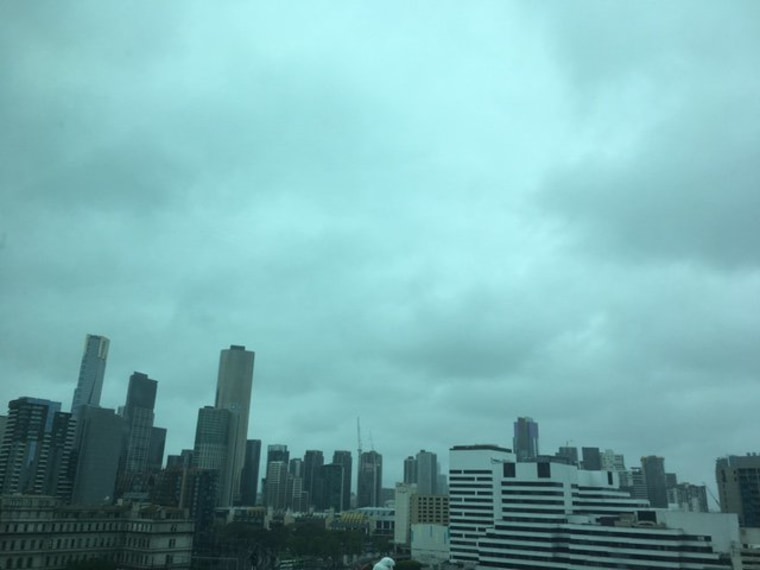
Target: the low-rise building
pixel 37 532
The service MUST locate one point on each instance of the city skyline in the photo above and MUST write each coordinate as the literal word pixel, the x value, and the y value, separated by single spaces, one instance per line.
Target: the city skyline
pixel 437 218
pixel 213 453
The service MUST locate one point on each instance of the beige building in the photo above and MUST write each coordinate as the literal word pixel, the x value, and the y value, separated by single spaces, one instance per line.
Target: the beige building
pixel 37 532
pixel 429 509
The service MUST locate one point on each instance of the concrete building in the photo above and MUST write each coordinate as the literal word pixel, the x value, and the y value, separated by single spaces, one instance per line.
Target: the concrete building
pixel 429 509
pixel 543 515
pixel 738 479
pixel 35 452
pixel 688 497
pixel 36 532
pixel 91 373
pixel 525 439
pixel 369 480
pixel 343 458
pixel 430 544
pixel 403 513
pixel 233 393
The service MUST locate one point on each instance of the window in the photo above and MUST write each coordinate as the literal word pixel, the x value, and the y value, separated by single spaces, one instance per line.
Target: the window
pixel 509 469
pixel 544 470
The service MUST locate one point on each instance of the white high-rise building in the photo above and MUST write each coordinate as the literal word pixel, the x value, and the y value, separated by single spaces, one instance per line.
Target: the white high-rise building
pixel 541 515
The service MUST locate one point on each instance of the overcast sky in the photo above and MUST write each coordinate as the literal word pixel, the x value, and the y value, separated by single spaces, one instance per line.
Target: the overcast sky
pixel 435 216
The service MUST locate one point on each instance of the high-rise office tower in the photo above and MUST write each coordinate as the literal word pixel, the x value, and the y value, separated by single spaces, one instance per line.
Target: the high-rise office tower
pixel 343 458
pixel 275 452
pixel 738 479
pixel 100 433
pixel 313 460
pixel 525 440
pixel 427 473
pixel 410 470
pixel 233 393
pixel 249 478
pixel 211 450
pixel 653 468
pixel 36 449
pixel 138 414
pixel 328 488
pixel 276 485
pixel 91 372
pixel 156 449
pixel 369 480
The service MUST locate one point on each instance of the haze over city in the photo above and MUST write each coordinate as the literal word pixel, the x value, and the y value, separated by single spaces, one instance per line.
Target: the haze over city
pixel 434 217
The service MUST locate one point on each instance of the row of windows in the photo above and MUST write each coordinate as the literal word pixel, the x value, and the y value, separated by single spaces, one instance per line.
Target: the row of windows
pixel 63 527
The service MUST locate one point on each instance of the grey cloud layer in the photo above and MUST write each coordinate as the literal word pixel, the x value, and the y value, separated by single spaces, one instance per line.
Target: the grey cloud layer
pixel 433 217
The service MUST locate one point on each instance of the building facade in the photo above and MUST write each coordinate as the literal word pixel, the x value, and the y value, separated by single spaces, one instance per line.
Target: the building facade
pixel 544 515
pixel 91 373
pixel 249 477
pixel 369 480
pixel 233 393
pixel 738 479
pixel 36 532
pixel 525 439
pixel 35 452
pixel 343 458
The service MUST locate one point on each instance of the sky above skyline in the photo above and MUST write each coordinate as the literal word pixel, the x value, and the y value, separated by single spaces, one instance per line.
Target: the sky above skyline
pixel 434 216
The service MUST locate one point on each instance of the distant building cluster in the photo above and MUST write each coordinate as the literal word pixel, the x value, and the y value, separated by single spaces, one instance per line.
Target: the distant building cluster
pixel 90 484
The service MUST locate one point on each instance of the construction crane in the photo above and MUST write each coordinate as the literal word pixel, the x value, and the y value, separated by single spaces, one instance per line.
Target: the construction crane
pixel 712 495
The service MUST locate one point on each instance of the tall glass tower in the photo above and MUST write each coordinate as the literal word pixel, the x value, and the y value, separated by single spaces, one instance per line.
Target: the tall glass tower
pixel 91 372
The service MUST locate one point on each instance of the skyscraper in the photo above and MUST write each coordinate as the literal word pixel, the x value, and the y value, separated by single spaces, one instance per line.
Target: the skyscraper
pixel 738 479
pixel 410 470
pixel 328 491
pixel 525 440
pixel 138 414
pixel 313 460
pixel 99 437
pixel 233 393
pixel 343 458
pixel 36 449
pixel 91 372
pixel 211 449
pixel 655 480
pixel 369 479
pixel 427 473
pixel 249 479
